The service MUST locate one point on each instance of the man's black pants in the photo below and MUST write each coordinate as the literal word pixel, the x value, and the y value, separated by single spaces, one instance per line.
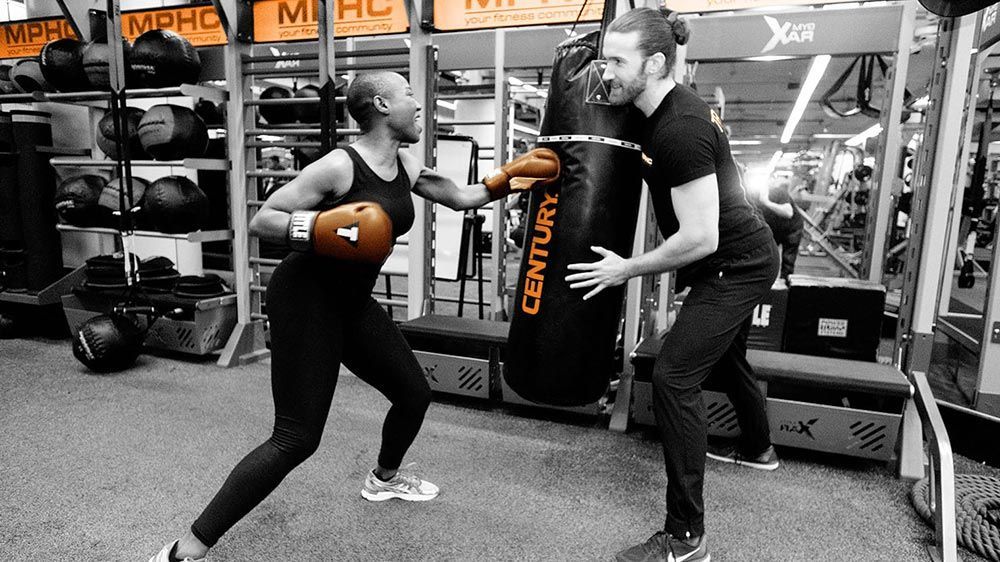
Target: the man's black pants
pixel 710 333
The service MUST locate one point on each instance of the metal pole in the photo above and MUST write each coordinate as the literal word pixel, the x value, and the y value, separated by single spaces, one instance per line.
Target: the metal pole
pixel 247 341
pixel 877 228
pixel 420 250
pixel 933 184
pixel 955 218
pixel 500 147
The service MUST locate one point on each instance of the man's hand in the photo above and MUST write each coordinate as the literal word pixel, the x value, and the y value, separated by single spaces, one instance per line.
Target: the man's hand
pixel 611 271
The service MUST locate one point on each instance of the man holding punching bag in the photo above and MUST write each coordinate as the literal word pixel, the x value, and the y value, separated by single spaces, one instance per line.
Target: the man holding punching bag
pixel 719 247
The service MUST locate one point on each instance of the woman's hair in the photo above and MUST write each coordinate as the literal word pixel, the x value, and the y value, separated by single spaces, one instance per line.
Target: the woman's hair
pixel 660 31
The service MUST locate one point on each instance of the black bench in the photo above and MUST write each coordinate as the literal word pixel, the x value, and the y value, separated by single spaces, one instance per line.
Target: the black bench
pixel 835 405
pixel 465 356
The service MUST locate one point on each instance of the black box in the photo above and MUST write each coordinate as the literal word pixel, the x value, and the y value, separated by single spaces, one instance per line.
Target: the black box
pixel 768 328
pixel 832 317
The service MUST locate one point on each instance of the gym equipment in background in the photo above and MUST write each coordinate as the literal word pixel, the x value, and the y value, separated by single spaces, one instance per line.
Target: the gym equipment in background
pixel 95 64
pixel 62 64
pixel 110 199
pixel 27 76
pixel 76 200
pixel 108 343
pixel 162 59
pixel 834 317
pixel 7 85
pixel 174 204
pixel 211 113
pixel 12 274
pixel 307 113
pixel 172 132
pixel 36 192
pixel 106 134
pixel 279 114
pixel 561 348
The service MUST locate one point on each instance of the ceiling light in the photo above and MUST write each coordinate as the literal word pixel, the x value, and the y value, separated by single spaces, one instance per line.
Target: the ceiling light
pixel 770 58
pixel 860 138
pixel 816 70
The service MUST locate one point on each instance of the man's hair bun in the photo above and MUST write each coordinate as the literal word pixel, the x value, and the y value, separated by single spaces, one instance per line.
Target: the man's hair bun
pixel 679 27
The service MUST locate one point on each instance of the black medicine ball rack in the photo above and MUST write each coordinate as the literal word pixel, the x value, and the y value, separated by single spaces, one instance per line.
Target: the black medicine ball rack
pixel 223 307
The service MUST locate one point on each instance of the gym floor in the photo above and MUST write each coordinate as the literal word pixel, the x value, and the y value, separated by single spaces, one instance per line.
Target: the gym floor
pixel 112 467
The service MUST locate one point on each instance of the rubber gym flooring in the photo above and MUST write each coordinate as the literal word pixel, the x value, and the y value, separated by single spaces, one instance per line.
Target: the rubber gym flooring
pixel 112 467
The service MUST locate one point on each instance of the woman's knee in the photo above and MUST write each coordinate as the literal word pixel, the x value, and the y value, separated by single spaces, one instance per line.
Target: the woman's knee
pixel 420 398
pixel 296 443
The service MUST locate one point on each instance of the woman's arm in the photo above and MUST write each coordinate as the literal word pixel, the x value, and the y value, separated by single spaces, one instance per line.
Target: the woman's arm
pixel 330 176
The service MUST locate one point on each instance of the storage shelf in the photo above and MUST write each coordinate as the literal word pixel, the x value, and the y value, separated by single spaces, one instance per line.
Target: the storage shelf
pixel 217 164
pixel 49 295
pixel 196 236
pixel 190 90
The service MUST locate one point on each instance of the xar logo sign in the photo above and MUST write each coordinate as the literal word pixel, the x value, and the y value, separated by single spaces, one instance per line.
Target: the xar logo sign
pixel 788 32
pixel 799 427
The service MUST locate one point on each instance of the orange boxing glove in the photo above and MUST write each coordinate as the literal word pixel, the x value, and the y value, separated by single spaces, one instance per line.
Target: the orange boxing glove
pixel 360 232
pixel 537 168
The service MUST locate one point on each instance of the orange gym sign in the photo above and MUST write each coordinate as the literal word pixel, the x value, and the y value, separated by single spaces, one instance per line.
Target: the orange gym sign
pixel 200 25
pixel 460 15
pixel 26 38
pixel 276 21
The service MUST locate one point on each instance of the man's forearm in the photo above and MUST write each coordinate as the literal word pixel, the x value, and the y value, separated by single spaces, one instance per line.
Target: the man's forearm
pixel 675 252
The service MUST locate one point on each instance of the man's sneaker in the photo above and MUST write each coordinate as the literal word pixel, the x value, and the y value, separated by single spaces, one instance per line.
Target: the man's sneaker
pixel 768 460
pixel 664 547
pixel 164 555
pixel 403 485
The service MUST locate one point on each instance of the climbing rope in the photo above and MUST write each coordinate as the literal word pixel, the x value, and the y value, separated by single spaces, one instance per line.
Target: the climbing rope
pixel 977 512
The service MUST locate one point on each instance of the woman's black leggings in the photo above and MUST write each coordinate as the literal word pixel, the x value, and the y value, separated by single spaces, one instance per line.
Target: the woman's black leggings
pixel 321 313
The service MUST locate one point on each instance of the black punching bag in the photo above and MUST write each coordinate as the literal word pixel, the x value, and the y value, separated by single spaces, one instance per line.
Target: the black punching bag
pixel 11 239
pixel 561 348
pixel 32 130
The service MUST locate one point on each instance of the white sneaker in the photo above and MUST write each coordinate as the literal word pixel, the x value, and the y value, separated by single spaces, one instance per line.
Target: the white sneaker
pixel 403 485
pixel 164 555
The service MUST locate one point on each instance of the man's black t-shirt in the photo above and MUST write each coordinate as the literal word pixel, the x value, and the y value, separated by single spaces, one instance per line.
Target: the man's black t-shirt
pixel 780 226
pixel 684 140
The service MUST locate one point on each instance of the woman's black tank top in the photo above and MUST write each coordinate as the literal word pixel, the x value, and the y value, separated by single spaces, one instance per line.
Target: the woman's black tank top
pixel 393 195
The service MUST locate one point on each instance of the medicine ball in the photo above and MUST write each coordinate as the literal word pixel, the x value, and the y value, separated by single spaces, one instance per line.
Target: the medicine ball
pixel 174 204
pixel 96 57
pixel 307 113
pixel 27 76
pixel 171 132
pixel 77 198
pixel 62 64
pixel 210 112
pixel 108 342
pixel 130 136
pixel 109 199
pixel 277 114
pixel 7 85
pixel 162 59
